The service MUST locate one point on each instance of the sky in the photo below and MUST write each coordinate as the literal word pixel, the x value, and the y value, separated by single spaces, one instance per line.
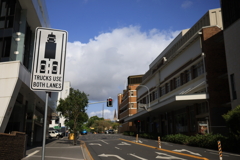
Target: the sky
pixel 109 40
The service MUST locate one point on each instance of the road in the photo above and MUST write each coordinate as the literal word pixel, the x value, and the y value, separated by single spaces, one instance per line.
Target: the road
pixel 120 147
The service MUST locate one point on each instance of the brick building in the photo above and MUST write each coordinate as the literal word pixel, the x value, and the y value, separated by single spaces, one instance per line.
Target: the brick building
pixel 127 103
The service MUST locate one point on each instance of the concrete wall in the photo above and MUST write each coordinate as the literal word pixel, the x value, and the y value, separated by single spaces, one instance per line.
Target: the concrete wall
pixel 232 47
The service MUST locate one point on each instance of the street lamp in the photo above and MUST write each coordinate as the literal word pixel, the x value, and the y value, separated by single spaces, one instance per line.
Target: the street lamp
pixel 148 95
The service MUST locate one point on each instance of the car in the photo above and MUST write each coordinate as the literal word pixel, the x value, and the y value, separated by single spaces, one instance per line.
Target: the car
pixel 83 132
pixel 110 131
pixel 54 67
pixel 43 66
pixel 55 134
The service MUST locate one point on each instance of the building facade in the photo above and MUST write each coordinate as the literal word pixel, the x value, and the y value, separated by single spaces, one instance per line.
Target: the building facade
pixel 231 24
pixel 21 108
pixel 188 84
pixel 127 104
pixel 58 122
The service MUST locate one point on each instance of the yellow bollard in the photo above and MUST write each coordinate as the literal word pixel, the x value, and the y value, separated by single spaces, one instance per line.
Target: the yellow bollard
pixel 159 142
pixel 220 150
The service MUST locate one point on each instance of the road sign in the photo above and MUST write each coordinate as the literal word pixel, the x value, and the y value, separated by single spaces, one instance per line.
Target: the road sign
pixel 48 60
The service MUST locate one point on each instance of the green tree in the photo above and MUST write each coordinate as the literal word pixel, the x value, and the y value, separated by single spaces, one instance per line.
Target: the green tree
pixel 100 125
pixel 73 108
pixel 232 119
pixel 115 125
pixel 91 120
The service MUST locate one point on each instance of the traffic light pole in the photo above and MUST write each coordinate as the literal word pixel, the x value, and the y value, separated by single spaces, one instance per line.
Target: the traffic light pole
pixel 97 102
pixel 102 107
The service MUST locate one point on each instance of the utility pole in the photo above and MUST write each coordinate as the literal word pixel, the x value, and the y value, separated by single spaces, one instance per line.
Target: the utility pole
pixel 103 111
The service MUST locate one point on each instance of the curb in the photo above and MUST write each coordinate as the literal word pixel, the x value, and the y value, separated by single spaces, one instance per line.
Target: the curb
pixel 86 152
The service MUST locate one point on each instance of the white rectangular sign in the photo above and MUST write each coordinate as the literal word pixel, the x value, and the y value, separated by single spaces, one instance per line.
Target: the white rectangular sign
pixel 48 60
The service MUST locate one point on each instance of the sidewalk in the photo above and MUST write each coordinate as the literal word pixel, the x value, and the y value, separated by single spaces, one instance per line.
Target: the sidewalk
pixel 59 149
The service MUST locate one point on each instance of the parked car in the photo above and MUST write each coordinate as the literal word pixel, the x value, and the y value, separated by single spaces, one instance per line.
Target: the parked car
pixel 110 131
pixel 83 132
pixel 55 134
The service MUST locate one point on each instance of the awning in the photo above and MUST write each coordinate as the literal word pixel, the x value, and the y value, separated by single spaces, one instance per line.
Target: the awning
pixel 173 103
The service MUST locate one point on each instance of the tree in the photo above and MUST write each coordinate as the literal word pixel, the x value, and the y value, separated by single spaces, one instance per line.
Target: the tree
pixel 100 125
pixel 115 125
pixel 232 119
pixel 92 120
pixel 73 108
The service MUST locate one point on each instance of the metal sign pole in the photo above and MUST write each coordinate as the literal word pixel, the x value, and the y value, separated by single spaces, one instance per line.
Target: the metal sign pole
pixel 44 127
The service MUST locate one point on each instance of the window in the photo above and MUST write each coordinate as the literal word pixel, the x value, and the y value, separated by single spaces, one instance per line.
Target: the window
pixel 189 75
pixel 168 87
pixel 178 82
pixel 198 69
pixel 163 91
pixel 131 93
pixel 233 88
pixel 5 46
pixel 156 94
pixel 202 108
pixel 131 105
pixel 181 122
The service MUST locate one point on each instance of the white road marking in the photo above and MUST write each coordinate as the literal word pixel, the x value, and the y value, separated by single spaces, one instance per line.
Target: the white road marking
pixel 31 154
pixel 167 156
pixel 137 141
pixel 224 153
pixel 95 144
pixel 124 143
pixel 111 155
pixel 184 150
pixel 104 142
pixel 137 156
pixel 66 158
pixel 117 148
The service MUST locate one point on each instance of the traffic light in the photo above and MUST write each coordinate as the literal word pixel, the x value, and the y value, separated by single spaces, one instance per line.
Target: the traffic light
pixel 109 102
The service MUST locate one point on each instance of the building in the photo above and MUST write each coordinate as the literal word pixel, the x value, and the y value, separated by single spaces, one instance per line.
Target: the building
pixel 21 108
pixel 58 122
pixel 187 83
pixel 127 103
pixel 231 24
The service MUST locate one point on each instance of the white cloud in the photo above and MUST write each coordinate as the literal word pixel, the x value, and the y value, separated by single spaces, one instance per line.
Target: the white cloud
pixel 107 114
pixel 100 67
pixel 186 4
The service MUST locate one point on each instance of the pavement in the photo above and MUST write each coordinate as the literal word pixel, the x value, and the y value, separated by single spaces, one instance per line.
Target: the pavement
pixel 61 149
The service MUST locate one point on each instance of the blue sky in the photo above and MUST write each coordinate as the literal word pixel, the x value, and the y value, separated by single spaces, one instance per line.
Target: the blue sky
pixel 109 40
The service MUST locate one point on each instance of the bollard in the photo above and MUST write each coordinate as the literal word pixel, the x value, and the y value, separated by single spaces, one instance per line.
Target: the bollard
pixel 220 150
pixel 136 138
pixel 159 142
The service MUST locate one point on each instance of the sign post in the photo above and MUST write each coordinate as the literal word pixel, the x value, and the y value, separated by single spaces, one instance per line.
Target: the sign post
pixel 48 65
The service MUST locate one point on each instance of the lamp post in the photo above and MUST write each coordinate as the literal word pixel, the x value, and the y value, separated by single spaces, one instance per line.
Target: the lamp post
pixel 148 93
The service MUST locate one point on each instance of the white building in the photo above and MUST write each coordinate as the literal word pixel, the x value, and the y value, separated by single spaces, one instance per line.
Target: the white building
pixel 186 87
pixel 58 121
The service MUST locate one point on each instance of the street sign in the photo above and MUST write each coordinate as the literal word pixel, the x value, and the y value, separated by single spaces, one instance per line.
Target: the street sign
pixel 48 60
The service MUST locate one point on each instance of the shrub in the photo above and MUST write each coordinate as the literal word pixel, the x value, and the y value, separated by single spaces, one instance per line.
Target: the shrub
pixel 232 119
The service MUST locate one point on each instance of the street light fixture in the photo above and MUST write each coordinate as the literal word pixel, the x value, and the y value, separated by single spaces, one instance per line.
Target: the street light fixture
pixel 148 95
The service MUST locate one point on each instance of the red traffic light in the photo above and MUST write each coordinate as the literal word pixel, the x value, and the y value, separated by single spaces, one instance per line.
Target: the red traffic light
pixel 109 102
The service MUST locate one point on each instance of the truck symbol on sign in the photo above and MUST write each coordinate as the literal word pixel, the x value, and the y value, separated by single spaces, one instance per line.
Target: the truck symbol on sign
pixel 50 53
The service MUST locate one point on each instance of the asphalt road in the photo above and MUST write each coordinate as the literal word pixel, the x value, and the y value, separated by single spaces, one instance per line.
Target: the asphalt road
pixel 120 147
